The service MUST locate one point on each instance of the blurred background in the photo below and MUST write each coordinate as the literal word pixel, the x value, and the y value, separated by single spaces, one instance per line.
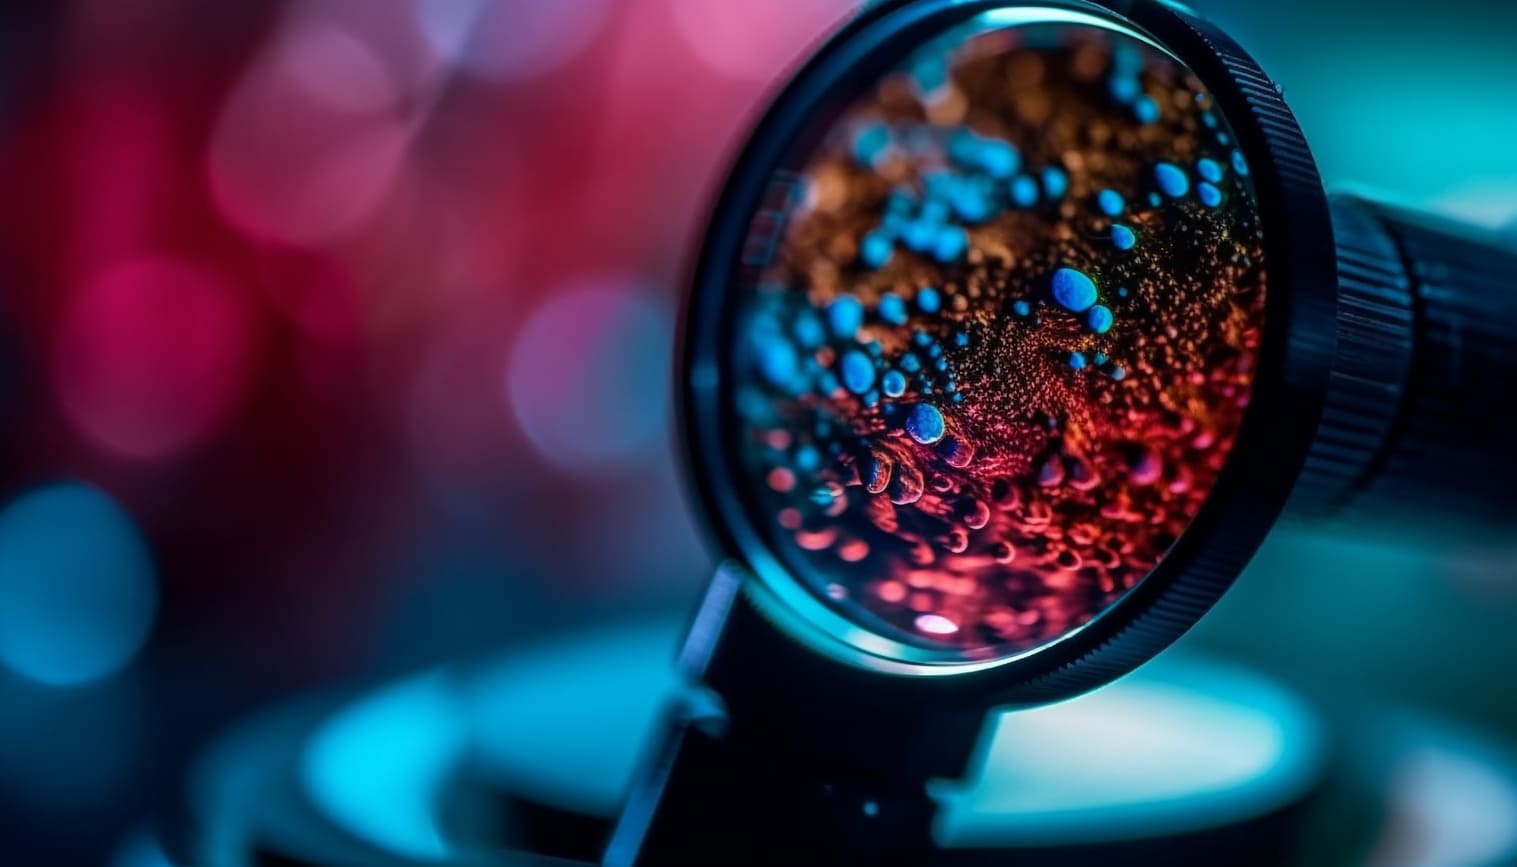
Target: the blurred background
pixel 335 338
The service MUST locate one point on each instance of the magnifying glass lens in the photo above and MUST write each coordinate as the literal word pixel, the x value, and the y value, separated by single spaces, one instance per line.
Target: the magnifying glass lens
pixel 999 337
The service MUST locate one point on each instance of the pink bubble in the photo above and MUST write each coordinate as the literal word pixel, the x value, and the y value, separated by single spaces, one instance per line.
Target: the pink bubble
pixel 936 624
pixel 152 356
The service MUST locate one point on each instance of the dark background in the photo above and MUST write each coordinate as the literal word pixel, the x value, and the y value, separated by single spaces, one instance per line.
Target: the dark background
pixel 334 338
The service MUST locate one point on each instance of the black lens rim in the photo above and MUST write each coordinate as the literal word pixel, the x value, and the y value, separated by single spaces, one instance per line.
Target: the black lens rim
pixel 1288 395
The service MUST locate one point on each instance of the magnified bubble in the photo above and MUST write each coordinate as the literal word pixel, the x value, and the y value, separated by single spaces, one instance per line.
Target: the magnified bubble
pixel 995 335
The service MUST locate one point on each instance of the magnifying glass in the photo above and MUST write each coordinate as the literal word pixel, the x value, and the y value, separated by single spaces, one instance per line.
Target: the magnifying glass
pixel 1015 329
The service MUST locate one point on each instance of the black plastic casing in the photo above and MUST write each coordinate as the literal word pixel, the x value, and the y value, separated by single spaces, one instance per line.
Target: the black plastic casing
pixel 1419 438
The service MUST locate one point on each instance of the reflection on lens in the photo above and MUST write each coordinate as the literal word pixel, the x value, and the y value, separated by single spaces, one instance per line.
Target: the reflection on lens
pixel 995 332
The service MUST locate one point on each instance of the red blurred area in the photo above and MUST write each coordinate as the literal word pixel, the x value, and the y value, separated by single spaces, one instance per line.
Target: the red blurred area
pixel 263 266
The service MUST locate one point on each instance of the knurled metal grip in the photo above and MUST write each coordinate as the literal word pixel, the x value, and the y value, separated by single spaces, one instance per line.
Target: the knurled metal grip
pixel 1419 430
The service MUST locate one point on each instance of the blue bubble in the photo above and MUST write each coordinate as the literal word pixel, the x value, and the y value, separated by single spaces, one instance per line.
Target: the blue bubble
pixel 963 147
pixel 1022 308
pixel 1077 360
pixel 856 371
pixel 1125 58
pixel 910 363
pixel 1123 237
pixel 1118 374
pixel 807 459
pixel 1240 165
pixel 778 361
pixel 1153 199
pixel 971 206
pixel 1146 110
pixel 1055 182
pixel 920 235
pixel 1110 202
pixel 999 159
pixel 1210 120
pixel 1172 180
pixel 1209 170
pixel 1210 195
pixel 870 143
pixel 1100 358
pixel 901 201
pixel 77 588
pixel 808 330
pixel 1100 319
pixel 1024 191
pixel 1124 88
pixel 895 225
pixel 951 243
pixel 845 317
pixel 893 383
pixel 930 73
pixel 876 250
pixel 925 424
pixel 893 310
pixel 929 300
pixel 1073 290
pixel 934 212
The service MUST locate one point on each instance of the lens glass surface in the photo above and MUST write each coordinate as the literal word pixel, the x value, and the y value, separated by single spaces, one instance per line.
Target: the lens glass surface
pixel 993 334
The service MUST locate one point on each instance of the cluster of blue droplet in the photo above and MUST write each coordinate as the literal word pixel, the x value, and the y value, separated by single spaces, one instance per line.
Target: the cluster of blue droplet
pixel 1096 360
pixel 1074 290
pixel 1170 181
pixel 1126 87
pixel 786 345
pixel 985 177
pixel 1210 121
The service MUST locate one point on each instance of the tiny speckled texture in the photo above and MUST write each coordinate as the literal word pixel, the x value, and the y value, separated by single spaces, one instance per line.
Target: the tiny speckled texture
pixel 1005 339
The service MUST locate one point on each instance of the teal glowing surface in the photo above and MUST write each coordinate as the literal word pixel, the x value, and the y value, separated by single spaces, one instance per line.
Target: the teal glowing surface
pixel 377 768
pixel 1183 745
pixel 567 721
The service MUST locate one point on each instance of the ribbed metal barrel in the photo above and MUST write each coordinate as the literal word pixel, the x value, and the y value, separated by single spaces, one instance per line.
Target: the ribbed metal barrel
pixel 1420 430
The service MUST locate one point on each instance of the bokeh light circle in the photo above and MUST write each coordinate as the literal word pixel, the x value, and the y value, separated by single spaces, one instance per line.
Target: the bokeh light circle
pixel 755 41
pixel 310 142
pixel 588 377
pixel 511 41
pixel 153 355
pixel 77 587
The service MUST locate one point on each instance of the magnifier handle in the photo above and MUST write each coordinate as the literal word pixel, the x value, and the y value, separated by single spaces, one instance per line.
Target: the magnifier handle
pixel 763 773
pixel 1420 429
